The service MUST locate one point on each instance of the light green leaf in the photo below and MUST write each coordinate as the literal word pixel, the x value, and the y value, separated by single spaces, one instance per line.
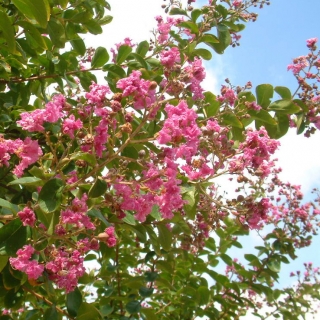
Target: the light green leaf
pixel 6 204
pixel 29 181
pixel 284 92
pixel 285 106
pixel 203 53
pixel 88 312
pixel 264 94
pixel 175 11
pixel 35 9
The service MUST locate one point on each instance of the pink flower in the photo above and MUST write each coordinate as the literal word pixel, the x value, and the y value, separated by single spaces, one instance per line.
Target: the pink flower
pixel 111 241
pixel 27 216
pixel 70 125
pixel 298 64
pixel 312 42
pixel 237 3
pixel 97 94
pixel 23 263
pixel 169 57
pixel 29 152
pixel 142 90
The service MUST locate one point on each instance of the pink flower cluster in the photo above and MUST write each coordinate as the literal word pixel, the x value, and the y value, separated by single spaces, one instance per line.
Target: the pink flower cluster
pixel 76 214
pixel 169 57
pixel 195 74
pixel 33 121
pixel 143 91
pixel 311 42
pixel 27 216
pixel 164 28
pixel 227 96
pixel 298 64
pixel 97 94
pixel 28 151
pixel 111 237
pixel 23 263
pixel 256 153
pixel 65 268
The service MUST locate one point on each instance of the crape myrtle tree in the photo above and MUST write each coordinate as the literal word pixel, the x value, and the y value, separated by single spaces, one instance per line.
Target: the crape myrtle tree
pixel 123 173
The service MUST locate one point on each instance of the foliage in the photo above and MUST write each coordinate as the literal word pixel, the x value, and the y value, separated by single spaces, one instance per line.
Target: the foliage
pixel 124 174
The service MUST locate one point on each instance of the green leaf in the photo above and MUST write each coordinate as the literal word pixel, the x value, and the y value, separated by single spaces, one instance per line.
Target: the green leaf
pixel 93 26
pixel 97 214
pixel 190 25
pixel 285 106
pixel 195 14
pixel 150 276
pixel 224 39
pixel 175 11
pixel 302 105
pixel 209 38
pixel 274 265
pixel 7 32
pixel 79 46
pixel 213 105
pixel 34 33
pixel 98 189
pixel 231 119
pixel 87 157
pixel 100 57
pixel 34 9
pixel 145 292
pixel 27 181
pixel 133 306
pixel 203 53
pixel 6 204
pixel 143 48
pixel 56 32
pixel 51 313
pixel 13 236
pixel 165 237
pixel 14 299
pixel 203 295
pixel 264 94
pixel 50 195
pixel 105 20
pixel 284 92
pixel 149 314
pixel 88 312
pixel 74 300
pixel 129 218
pixel 123 53
pixel 262 115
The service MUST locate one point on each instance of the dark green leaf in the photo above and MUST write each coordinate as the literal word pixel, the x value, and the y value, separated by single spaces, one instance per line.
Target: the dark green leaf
pixel 56 33
pixel 6 204
pixel 14 299
pixel 150 276
pixel 133 307
pixel 97 214
pixel 88 312
pixel 74 300
pixel 165 237
pixel 100 57
pixel 98 189
pixel 203 295
pixel 50 195
pixel 51 313
pixel 7 32
pixel 34 33
pixel 145 292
